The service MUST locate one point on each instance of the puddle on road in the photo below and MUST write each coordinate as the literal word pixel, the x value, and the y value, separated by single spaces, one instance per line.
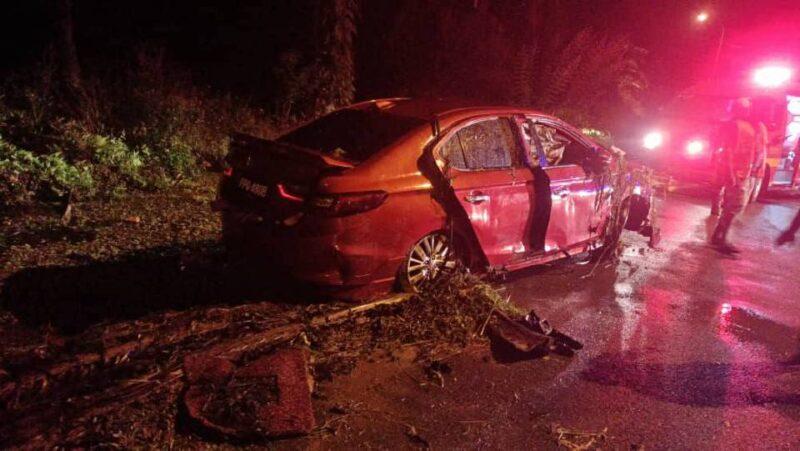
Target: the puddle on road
pixel 744 324
pixel 697 383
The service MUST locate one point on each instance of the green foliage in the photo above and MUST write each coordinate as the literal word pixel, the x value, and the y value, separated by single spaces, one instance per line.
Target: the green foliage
pixel 25 175
pixel 160 107
pixel 114 153
pixel 148 128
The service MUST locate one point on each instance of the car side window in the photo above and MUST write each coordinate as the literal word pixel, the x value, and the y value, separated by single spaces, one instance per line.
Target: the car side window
pixel 453 153
pixel 535 157
pixel 559 148
pixel 489 144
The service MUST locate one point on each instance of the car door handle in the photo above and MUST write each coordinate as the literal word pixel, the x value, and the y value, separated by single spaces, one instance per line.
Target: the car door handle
pixel 476 198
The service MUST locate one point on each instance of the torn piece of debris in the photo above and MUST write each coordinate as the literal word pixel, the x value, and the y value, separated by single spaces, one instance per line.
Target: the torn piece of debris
pixel 132 219
pixel 538 324
pixel 578 440
pixel 268 397
pixel 66 217
pixel 522 338
pixel 542 326
pixel 417 439
pixel 437 370
pixel 514 340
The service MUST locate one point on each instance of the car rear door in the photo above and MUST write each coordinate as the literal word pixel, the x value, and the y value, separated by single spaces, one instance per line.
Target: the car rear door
pixel 481 161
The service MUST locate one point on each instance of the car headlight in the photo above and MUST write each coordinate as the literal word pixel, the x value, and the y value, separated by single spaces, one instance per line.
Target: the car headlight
pixel 653 140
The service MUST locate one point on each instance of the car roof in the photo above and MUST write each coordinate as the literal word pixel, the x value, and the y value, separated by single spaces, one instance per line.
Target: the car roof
pixel 430 109
pixel 443 113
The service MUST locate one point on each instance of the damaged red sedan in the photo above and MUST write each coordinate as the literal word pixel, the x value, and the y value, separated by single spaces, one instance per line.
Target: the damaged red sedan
pixel 397 191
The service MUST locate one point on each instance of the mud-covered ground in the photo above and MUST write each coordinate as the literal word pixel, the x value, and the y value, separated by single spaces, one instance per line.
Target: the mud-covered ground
pixel 684 348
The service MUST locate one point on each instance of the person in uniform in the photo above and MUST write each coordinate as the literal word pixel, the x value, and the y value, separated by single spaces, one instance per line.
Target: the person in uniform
pixel 759 161
pixel 739 141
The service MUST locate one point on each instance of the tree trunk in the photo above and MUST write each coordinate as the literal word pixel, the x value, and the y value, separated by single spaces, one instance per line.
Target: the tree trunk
pixel 69 69
pixel 335 36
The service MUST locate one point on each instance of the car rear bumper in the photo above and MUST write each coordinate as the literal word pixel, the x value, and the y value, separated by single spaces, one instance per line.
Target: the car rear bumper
pixel 325 252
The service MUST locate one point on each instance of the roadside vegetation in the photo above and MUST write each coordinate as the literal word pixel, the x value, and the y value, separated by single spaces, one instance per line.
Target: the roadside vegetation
pixel 73 128
pixel 111 270
pixel 148 130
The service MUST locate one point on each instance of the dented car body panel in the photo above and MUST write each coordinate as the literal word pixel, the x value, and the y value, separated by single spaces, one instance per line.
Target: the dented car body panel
pixel 347 219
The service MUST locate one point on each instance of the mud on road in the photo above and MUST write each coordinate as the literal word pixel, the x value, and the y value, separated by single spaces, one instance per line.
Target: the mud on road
pixel 684 349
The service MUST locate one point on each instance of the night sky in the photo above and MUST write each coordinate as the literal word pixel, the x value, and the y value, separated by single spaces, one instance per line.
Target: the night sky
pixel 233 45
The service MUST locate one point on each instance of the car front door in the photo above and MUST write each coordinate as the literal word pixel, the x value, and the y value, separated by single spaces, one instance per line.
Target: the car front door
pixel 481 160
pixel 574 191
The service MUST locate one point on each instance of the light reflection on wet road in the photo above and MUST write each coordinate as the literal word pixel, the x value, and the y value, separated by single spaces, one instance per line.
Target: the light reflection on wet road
pixel 684 348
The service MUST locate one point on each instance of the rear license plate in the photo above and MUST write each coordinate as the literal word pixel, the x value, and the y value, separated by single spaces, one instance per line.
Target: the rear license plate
pixel 253 187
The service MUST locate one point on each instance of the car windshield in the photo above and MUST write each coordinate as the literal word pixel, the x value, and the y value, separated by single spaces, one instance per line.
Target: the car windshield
pixel 351 134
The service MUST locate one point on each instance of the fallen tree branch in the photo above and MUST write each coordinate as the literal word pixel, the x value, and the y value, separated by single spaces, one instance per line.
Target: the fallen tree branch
pixel 344 315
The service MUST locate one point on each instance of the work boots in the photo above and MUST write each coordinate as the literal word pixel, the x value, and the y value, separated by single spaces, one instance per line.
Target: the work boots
pixel 785 237
pixel 720 237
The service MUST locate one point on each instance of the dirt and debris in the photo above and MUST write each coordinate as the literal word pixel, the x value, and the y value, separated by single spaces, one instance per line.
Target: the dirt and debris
pixel 578 440
pixel 227 360
pixel 438 322
pixel 100 316
pixel 269 397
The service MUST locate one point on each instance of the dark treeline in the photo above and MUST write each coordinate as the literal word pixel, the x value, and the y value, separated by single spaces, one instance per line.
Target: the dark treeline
pixel 295 57
pixel 100 96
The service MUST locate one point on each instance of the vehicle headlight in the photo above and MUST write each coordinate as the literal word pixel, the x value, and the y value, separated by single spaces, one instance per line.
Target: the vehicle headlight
pixel 653 140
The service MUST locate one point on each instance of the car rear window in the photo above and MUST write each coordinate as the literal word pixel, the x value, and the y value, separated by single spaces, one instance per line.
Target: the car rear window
pixel 353 135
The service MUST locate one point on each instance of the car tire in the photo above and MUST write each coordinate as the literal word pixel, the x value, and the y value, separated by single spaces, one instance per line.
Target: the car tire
pixel 429 258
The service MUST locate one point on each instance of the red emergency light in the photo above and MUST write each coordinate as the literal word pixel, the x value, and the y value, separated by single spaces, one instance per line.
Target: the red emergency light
pixel 772 76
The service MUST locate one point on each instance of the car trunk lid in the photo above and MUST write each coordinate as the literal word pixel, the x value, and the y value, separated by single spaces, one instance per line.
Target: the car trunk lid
pixel 273 178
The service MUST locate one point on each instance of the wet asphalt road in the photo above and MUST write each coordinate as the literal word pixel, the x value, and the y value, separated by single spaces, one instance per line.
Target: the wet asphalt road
pixel 684 349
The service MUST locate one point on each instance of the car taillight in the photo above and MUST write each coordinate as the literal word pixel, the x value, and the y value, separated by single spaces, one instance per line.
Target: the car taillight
pixel 290 192
pixel 348 204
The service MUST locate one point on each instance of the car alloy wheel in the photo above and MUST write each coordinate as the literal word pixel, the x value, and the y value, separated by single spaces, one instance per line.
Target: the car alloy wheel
pixel 429 258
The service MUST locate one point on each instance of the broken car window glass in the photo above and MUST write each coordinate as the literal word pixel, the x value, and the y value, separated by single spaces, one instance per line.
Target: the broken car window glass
pixel 351 134
pixel 553 143
pixel 533 144
pixel 560 149
pixel 485 145
pixel 453 153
